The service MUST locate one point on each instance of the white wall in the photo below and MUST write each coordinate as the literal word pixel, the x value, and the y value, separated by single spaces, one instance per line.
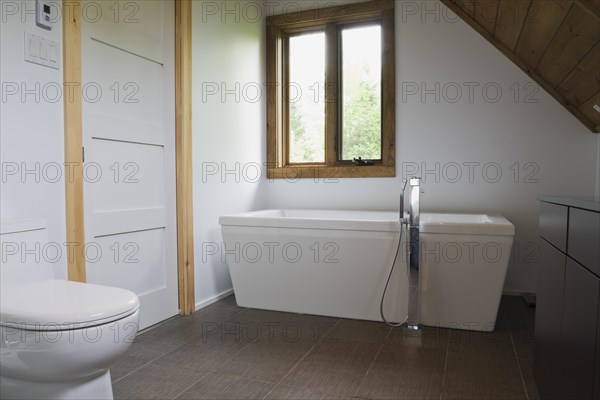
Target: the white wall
pixel 228 132
pixel 228 49
pixel 31 128
pixel 289 7
pixel 437 47
pixel 597 194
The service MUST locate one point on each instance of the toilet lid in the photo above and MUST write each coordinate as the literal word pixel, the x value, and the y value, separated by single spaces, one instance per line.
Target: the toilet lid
pixel 58 305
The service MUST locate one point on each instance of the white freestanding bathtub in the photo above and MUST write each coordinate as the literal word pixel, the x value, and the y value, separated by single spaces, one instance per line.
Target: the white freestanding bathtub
pixel 336 263
pixel 463 259
pixel 332 263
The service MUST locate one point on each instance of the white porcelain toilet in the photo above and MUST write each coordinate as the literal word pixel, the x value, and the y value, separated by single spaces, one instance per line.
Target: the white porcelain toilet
pixel 463 261
pixel 59 338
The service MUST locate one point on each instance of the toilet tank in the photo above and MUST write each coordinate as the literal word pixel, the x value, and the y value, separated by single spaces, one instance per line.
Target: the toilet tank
pixel 26 255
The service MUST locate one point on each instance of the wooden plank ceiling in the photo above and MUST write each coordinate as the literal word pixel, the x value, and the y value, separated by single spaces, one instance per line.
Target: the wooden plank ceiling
pixel 556 42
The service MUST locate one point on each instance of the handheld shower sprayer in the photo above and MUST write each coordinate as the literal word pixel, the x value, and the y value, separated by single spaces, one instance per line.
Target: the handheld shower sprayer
pixel 410 221
pixel 403 219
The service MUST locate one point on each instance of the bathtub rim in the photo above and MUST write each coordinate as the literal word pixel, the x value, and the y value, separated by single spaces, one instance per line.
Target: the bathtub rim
pixel 269 219
pixel 355 220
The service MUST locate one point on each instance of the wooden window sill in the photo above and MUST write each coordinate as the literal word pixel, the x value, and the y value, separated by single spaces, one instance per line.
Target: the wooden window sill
pixel 295 172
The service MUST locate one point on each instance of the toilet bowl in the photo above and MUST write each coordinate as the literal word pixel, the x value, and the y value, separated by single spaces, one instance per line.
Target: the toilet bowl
pixel 58 338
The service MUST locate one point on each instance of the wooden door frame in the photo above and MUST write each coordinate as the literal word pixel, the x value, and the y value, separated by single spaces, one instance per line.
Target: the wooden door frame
pixel 73 156
pixel 183 146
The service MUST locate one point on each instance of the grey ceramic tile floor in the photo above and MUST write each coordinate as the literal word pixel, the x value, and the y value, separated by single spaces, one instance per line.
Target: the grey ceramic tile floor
pixel 228 352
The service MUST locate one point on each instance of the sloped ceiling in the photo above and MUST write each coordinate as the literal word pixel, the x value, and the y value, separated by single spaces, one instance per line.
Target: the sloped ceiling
pixel 556 42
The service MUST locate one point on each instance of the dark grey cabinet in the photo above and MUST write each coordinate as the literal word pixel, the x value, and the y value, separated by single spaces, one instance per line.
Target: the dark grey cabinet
pixel 553 224
pixel 584 231
pixel 566 362
pixel 578 344
pixel 597 368
pixel 548 329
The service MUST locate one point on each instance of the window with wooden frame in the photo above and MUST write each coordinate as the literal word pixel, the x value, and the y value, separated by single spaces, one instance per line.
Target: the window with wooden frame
pixel 331 92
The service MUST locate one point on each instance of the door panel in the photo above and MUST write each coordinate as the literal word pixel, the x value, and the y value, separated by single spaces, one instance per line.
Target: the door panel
pixel 124 80
pixel 134 26
pixel 129 140
pixel 140 268
pixel 134 175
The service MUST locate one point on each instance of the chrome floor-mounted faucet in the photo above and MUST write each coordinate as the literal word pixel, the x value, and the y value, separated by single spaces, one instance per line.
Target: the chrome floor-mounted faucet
pixel 414 212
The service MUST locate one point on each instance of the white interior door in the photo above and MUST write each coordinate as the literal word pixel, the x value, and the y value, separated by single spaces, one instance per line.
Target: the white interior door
pixel 129 140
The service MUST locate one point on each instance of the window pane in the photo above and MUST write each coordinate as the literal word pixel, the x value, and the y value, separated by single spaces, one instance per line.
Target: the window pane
pixel 361 92
pixel 307 108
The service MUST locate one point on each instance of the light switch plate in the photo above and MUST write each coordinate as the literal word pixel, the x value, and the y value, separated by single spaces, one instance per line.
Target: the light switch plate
pixel 44 10
pixel 42 51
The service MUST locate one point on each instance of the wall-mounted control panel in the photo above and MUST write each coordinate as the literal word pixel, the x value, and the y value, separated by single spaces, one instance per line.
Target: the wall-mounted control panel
pixel 45 13
pixel 42 51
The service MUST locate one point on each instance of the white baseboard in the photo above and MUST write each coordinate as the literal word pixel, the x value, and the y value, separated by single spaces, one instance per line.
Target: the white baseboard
pixel 213 299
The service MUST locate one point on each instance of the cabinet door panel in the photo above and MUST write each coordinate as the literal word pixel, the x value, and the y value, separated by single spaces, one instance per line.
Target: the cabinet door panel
pixel 548 322
pixel 596 395
pixel 584 236
pixel 553 224
pixel 580 319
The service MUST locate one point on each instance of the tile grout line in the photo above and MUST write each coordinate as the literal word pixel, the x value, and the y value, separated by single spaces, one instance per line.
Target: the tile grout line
pixel 238 377
pixel 131 372
pixel 372 363
pixel 237 324
pixel 445 367
pixel 302 358
pixel 162 355
pixel 153 360
pixel 223 321
pixel 209 372
pixel 512 341
pixel 193 384
pixel 321 339
pixel 227 321
pixel 159 357
pixel 240 311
